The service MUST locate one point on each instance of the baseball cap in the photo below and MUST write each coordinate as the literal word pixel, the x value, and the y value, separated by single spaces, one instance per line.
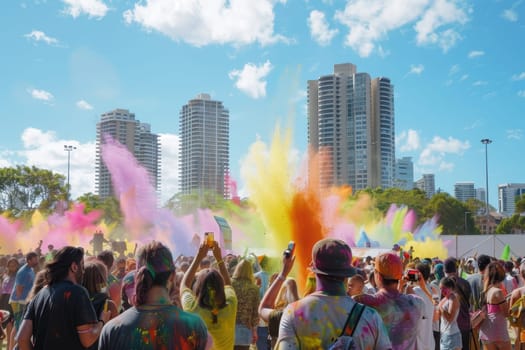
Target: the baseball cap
pixel 389 265
pixel 332 257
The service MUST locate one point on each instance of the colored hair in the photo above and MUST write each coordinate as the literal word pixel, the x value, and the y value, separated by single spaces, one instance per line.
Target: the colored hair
pixel 209 289
pixel 155 266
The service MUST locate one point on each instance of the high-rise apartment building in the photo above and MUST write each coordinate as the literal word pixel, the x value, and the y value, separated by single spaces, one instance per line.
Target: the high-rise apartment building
pixel 507 196
pixel 427 184
pixel 404 178
pixel 204 146
pixel 481 194
pixel 139 140
pixel 464 191
pixel 351 126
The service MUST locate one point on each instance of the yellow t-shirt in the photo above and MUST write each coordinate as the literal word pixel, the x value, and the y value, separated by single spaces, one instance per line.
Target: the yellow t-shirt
pixel 222 332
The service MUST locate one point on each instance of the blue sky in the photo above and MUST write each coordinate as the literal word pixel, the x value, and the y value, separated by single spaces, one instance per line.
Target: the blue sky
pixel 458 68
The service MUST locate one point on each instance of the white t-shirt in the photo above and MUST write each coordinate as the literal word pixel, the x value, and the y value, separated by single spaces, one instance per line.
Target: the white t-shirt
pixel 315 321
pixel 425 335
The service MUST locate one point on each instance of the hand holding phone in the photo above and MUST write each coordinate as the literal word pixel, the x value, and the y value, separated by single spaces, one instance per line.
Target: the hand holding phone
pixel 289 251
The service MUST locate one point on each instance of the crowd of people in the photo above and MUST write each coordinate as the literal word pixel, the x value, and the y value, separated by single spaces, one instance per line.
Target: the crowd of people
pixel 66 299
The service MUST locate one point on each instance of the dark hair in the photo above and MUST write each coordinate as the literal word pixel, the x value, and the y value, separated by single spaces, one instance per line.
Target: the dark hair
pixel 209 289
pixel 58 268
pixel 450 265
pixel 15 260
pixel 95 276
pixel 31 255
pixel 107 257
pixel 448 282
pixel 424 268
pixel 483 261
pixel 155 265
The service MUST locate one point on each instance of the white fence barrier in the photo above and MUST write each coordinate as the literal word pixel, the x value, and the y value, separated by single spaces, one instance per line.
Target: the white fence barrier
pixel 493 245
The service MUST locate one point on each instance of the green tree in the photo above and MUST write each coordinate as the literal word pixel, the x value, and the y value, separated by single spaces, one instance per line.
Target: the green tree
pixel 520 204
pixel 514 224
pixel 24 189
pixel 110 206
pixel 451 213
pixel 414 199
pixel 183 204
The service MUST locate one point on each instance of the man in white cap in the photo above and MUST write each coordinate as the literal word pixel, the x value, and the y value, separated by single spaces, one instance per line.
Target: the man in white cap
pixel 315 321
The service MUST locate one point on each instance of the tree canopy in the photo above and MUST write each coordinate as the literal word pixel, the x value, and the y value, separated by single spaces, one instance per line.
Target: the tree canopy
pixel 24 189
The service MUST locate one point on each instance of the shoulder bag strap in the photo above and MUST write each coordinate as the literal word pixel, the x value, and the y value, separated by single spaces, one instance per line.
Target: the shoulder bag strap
pixel 353 319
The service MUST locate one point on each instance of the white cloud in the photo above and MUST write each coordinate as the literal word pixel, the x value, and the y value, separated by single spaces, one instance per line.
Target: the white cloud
pixel 435 152
pixel 463 77
pixel 515 134
pixel 84 105
pixel 170 165
pixel 474 54
pixel 416 69
pixel 510 15
pixel 441 13
pixel 479 83
pixel 319 28
pixel 37 35
pixel 370 21
pixel 200 23
pixel 41 95
pixel 44 150
pixel 521 93
pixel 92 8
pixel 250 79
pixel 409 141
pixel 520 76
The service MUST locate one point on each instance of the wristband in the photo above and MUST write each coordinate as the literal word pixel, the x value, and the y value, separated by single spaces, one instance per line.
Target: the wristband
pixel 281 277
pixel 103 323
pixel 220 262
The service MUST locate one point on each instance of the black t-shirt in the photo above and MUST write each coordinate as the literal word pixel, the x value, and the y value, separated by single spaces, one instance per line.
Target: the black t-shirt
pixel 56 311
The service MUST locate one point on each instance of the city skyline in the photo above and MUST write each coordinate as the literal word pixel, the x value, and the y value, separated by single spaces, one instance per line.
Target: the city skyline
pixel 457 72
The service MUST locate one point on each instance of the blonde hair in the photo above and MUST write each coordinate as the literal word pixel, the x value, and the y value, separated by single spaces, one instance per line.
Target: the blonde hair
pixel 244 270
pixel 287 294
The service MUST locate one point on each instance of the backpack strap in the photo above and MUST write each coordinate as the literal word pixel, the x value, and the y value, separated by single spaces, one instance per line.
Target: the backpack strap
pixel 353 319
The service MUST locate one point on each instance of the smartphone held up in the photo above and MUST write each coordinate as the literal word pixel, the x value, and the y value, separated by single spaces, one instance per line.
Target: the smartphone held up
pixel 288 252
pixel 209 238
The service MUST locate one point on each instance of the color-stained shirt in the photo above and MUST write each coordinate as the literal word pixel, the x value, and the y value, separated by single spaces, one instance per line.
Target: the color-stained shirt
pixel 402 315
pixel 154 327
pixel 315 321
pixel 56 312
pixel 223 331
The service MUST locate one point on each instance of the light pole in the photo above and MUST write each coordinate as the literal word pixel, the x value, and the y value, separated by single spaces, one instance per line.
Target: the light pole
pixel 68 149
pixel 486 142
pixel 466 226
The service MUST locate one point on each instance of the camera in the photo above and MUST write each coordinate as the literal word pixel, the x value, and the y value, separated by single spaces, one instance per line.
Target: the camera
pixel 288 252
pixel 413 275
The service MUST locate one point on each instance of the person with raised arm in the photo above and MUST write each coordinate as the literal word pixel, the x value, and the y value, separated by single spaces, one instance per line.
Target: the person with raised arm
pixel 210 295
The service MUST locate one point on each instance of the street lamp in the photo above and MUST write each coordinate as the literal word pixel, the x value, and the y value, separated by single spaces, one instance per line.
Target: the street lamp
pixel 466 226
pixel 68 149
pixel 486 142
